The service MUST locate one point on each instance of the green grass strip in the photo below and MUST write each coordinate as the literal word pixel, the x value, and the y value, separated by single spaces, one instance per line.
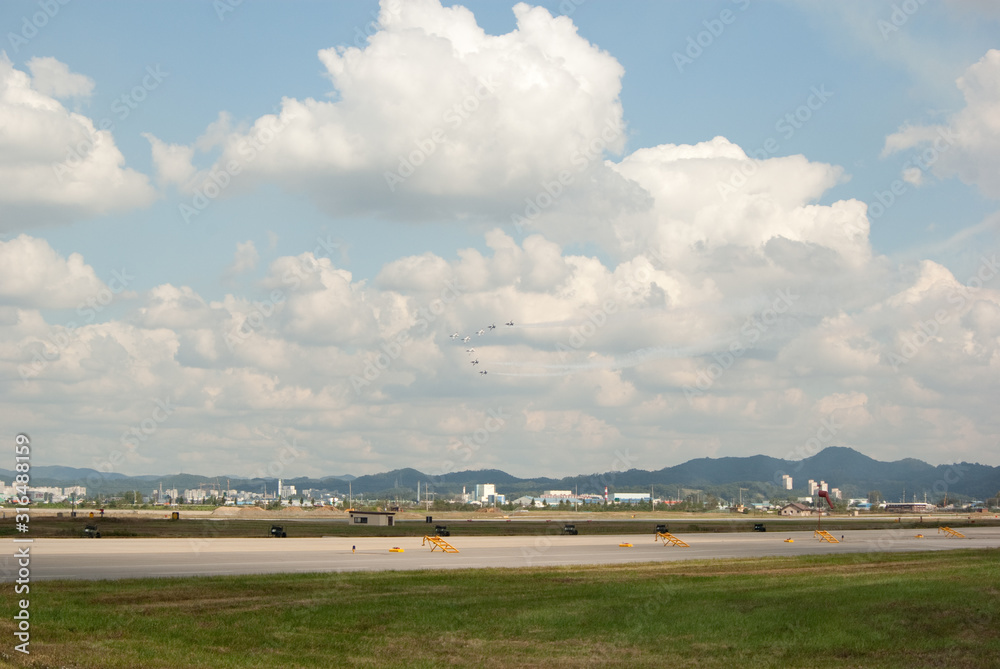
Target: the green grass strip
pixel 909 610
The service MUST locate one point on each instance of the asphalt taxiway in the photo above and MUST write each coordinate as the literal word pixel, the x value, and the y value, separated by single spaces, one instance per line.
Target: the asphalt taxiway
pixel 109 558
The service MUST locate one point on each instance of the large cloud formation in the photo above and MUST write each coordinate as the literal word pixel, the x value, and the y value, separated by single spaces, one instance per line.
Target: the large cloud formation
pixel 56 165
pixel 725 310
pixel 968 145
pixel 433 117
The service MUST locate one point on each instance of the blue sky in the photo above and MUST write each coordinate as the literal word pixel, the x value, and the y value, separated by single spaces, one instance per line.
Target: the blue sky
pixel 871 85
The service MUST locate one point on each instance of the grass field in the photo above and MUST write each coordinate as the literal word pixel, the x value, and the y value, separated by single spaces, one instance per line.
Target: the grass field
pixel 144 526
pixel 875 610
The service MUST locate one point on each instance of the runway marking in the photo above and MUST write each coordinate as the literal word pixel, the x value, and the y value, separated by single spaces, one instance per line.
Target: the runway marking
pixel 129 558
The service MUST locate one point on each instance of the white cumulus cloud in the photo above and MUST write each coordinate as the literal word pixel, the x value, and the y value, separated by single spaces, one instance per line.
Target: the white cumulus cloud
pixel 55 165
pixel 435 116
pixel 968 145
pixel 33 274
pixel 53 78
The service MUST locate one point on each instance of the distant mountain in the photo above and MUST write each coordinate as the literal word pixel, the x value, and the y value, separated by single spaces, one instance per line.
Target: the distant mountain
pixel 759 475
pixel 55 475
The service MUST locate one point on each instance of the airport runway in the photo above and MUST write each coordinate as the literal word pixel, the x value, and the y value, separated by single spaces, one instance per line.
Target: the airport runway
pixel 148 558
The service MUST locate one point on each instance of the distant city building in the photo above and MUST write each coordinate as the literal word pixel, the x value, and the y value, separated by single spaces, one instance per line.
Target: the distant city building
pixel 528 500
pixel 631 497
pixel 483 492
pixel 557 493
pixel 909 507
pixel 786 481
pixel 835 493
pixel 812 487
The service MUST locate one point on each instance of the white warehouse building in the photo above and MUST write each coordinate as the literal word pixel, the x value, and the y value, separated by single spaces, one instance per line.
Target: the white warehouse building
pixel 631 497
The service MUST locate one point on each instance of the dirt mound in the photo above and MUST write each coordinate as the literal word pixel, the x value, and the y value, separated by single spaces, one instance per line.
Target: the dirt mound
pixel 284 512
pixel 325 511
pixel 309 511
pixel 238 512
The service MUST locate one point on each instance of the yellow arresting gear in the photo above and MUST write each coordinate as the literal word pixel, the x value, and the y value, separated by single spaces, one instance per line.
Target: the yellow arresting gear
pixel 438 542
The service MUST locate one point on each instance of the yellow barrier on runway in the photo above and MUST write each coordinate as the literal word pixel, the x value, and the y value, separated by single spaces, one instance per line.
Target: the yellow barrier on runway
pixel 667 537
pixel 396 549
pixel 826 536
pixel 918 536
pixel 625 545
pixel 950 532
pixel 789 541
pixel 438 542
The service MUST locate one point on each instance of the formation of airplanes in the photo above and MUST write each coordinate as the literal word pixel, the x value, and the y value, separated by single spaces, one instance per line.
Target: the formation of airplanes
pixel 479 333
